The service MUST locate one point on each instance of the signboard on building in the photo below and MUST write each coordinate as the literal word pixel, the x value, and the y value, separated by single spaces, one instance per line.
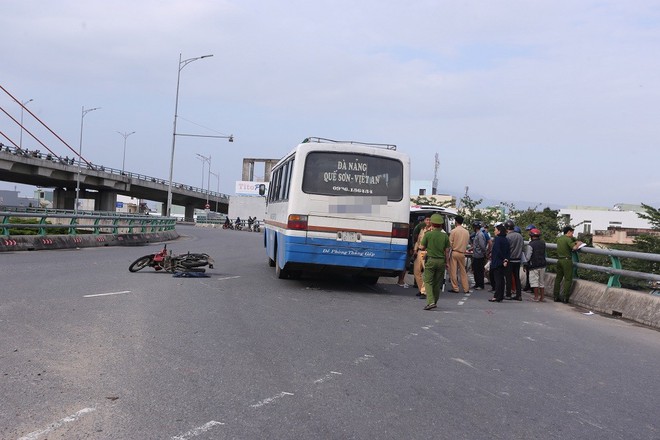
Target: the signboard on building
pixel 244 188
pixel 119 205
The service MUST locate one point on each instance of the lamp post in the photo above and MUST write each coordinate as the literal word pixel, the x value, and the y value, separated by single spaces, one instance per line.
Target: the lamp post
pixel 123 161
pixel 82 119
pixel 182 64
pixel 203 160
pixel 208 183
pixel 217 176
pixel 20 139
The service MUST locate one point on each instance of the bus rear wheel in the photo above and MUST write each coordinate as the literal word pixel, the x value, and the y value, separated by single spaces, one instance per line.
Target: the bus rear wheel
pixel 281 273
pixel 366 279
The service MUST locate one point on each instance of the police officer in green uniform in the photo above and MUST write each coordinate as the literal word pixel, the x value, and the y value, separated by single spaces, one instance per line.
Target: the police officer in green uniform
pixel 436 244
pixel 566 244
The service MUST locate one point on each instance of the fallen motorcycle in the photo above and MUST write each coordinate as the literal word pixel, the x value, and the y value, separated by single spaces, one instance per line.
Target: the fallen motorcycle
pixel 164 260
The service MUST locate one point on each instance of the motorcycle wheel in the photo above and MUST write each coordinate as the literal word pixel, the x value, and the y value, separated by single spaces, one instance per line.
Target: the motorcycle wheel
pixel 141 263
pixel 193 260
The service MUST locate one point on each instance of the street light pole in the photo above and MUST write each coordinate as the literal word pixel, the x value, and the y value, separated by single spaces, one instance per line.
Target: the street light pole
pixel 20 140
pixel 208 183
pixel 182 64
pixel 82 118
pixel 203 160
pixel 123 161
pixel 217 196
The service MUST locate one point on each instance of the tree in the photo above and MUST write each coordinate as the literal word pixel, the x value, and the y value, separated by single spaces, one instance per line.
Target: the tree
pixel 652 215
pixel 650 243
pixel 470 211
pixel 547 221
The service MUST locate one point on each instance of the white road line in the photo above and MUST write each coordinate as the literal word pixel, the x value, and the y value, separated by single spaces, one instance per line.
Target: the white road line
pixel 461 361
pixel 327 377
pixel 197 431
pixel 107 294
pixel 228 278
pixel 271 399
pixel 53 426
pixel 361 359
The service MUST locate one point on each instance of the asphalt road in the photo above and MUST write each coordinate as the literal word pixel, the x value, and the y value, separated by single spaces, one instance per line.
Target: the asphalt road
pixel 91 351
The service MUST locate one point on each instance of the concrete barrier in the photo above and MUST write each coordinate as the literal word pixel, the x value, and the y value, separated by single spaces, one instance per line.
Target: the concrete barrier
pixel 37 242
pixel 640 307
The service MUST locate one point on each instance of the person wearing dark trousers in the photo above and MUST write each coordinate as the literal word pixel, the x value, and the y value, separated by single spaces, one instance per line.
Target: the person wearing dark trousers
pixel 516 247
pixel 479 251
pixel 499 262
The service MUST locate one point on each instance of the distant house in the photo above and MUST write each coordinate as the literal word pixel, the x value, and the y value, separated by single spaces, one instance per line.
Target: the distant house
pixel 619 224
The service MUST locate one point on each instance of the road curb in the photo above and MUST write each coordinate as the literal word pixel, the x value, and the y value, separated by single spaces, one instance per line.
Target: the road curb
pixel 623 303
pixel 37 243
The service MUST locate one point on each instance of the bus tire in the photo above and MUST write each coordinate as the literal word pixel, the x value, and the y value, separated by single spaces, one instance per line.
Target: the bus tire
pixel 281 273
pixel 271 262
pixel 366 279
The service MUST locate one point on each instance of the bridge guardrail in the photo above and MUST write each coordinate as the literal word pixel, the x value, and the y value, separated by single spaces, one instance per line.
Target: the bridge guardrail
pixel 83 223
pixel 73 162
pixel 616 269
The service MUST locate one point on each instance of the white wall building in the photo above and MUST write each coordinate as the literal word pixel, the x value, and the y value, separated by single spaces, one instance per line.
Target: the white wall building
pixel 588 219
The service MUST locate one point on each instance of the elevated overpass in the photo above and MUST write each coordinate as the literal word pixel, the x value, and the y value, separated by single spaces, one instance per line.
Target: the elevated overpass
pixel 102 184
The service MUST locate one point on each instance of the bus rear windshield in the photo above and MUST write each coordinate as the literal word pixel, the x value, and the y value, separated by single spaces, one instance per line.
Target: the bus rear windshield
pixel 351 174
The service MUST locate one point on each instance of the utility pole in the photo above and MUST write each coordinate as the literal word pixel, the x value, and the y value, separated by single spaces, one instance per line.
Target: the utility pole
pixel 434 186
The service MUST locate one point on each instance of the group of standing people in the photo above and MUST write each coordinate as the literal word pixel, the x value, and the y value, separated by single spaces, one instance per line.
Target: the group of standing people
pixel 504 254
pixel 509 252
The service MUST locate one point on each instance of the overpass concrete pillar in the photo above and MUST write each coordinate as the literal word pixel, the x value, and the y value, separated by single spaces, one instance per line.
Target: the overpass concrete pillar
pixel 190 213
pixel 106 201
pixel 63 199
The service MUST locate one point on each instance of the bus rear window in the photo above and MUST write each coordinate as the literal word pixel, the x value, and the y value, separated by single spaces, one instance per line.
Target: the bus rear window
pixel 348 174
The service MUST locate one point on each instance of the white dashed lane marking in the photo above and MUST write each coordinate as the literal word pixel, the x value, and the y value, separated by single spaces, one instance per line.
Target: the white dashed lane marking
pixel 197 431
pixel 271 399
pixel 53 426
pixel 107 294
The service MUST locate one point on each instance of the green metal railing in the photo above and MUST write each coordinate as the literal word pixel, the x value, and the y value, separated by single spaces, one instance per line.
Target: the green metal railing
pixel 45 222
pixel 616 270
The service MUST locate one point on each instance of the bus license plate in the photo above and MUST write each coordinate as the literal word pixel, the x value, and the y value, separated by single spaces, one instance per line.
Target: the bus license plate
pixel 348 236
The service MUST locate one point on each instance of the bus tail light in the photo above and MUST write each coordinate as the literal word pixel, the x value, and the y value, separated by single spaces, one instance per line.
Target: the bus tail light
pixel 400 230
pixel 297 222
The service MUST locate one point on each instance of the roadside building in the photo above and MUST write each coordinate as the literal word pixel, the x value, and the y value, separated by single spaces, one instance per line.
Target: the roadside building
pixel 619 224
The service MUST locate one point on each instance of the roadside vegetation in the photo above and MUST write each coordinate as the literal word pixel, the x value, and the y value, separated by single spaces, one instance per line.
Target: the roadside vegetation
pixel 35 230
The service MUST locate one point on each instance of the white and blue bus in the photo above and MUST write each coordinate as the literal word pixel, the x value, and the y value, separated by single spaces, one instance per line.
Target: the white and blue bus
pixel 339 206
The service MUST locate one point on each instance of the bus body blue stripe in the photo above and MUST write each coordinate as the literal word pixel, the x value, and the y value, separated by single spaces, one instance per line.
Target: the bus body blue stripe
pixel 329 252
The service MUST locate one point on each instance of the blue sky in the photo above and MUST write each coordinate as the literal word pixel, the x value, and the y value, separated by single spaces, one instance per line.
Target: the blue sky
pixel 545 101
